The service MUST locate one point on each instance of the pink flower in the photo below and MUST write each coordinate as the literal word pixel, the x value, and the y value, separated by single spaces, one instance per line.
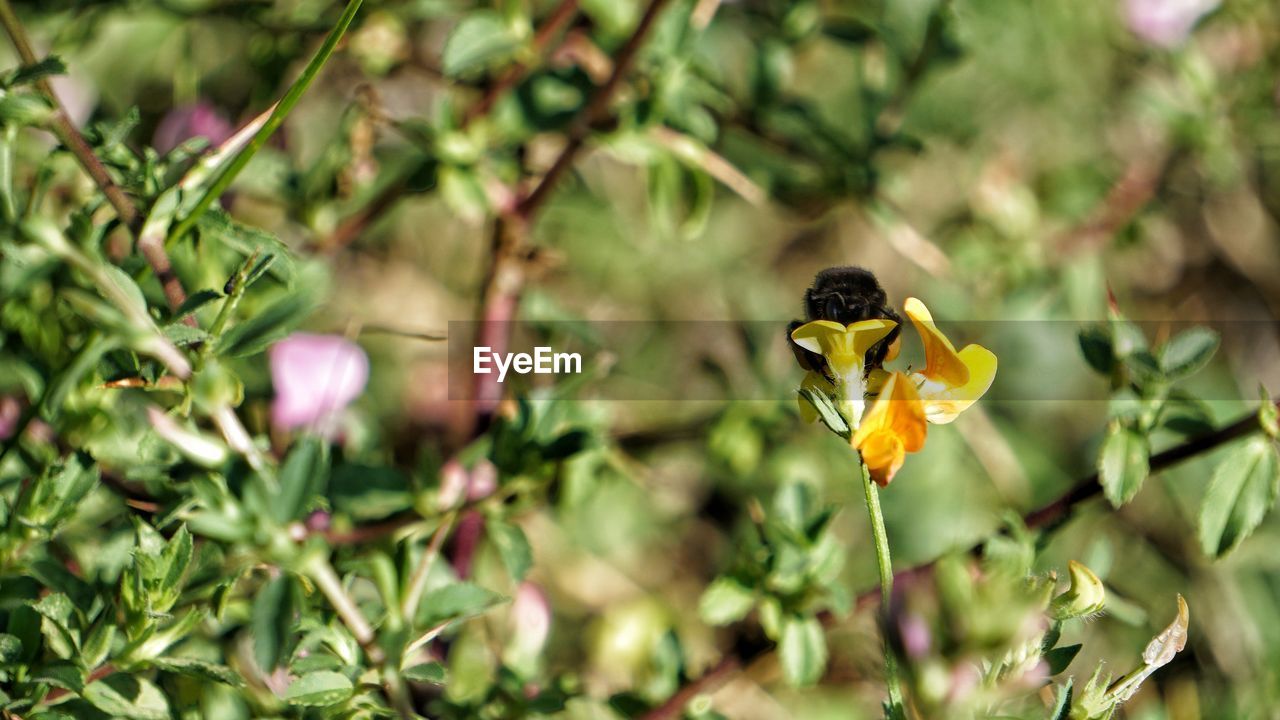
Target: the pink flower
pixel 10 411
pixel 530 625
pixel 183 123
pixel 315 377
pixel 1166 23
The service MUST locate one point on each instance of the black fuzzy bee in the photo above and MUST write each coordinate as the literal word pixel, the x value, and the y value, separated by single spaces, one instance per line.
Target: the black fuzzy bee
pixel 846 295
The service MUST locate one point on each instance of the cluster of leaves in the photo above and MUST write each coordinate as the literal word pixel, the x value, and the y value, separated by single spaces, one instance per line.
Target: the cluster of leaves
pixel 203 558
pixel 980 638
pixel 1146 398
pixel 787 569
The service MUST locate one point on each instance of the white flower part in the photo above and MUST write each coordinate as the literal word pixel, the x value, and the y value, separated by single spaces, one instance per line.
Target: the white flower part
pixel 853 396
pixel 1166 23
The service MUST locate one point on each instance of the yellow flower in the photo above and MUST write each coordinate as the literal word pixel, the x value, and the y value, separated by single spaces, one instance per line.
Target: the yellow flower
pixel 845 348
pixel 894 426
pixel 951 381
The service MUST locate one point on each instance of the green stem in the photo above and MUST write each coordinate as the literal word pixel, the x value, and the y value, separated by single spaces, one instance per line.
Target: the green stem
pixel 291 97
pixel 7 206
pixel 895 707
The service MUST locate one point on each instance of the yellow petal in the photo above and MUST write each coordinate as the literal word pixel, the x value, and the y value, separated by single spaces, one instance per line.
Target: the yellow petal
pixel 813 336
pixel 894 348
pixel 899 411
pixel 942 405
pixel 941 362
pixel 884 454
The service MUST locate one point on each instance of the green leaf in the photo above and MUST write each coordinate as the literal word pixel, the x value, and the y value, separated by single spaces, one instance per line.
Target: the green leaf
pixel 128 696
pixel 1243 489
pixel 1188 352
pixel 200 669
pixel 1123 464
pixel 57 614
pixel 1059 658
pixel 318 689
pixel 1095 343
pixel 301 479
pixel 271 621
pixel 567 445
pixel 111 133
pixel 1128 338
pixel 176 557
pixel 1062 706
pixel 512 546
pixel 1143 367
pixel 481 38
pixel 848 30
pixel 432 672
pixel 803 651
pixel 1269 416
pixel 10 648
pixel 455 601
pixel 57 494
pixel 184 335
pixel 725 601
pixel 369 492
pixel 64 674
pixel 255 334
pixel 1187 415
pixel 826 410
pixel 51 65
pixel 216 224
pixel 195 301
pixel 136 301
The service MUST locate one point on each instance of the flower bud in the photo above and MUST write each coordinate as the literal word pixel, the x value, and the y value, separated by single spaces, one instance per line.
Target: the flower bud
pixel 1086 596
pixel 196 446
pixel 530 626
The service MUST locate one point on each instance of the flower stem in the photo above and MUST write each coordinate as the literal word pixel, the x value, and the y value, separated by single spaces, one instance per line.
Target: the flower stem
pixel 894 708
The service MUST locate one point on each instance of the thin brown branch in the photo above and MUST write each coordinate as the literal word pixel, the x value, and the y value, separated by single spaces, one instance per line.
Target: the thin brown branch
pixel 1047 516
pixel 549 31
pixel 505 274
pixel 386 198
pixel 418 581
pixel 596 110
pixel 68 135
pixel 64 129
pixel 721 673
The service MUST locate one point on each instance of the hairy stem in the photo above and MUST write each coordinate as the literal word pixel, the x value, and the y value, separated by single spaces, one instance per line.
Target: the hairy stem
pixel 885 564
pixel 327 580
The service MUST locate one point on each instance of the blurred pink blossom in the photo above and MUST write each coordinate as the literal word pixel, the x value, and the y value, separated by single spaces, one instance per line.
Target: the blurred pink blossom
pixel 183 123
pixel 530 626
pixel 915 635
pixel 10 411
pixel 1166 23
pixel 315 378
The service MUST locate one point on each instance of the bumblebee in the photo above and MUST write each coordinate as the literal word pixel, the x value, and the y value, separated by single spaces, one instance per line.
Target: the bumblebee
pixel 846 295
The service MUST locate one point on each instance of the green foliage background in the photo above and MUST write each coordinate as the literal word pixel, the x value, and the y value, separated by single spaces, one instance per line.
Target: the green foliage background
pixel 1002 160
